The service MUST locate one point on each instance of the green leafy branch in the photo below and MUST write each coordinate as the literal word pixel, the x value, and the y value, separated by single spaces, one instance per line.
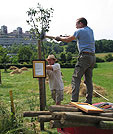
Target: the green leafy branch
pixel 39 20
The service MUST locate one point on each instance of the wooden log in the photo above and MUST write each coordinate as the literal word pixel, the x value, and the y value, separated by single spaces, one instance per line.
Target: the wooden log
pixel 45 118
pixel 83 118
pixel 106 115
pixel 57 124
pixel 35 113
pixel 107 111
pixel 58 115
pixel 106 124
pixel 63 108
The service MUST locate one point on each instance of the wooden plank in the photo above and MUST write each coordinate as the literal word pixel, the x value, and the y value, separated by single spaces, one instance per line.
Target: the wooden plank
pixel 87 107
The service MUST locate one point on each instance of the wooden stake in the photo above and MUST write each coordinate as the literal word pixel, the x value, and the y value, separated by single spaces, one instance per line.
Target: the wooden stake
pixel 100 95
pixel 12 104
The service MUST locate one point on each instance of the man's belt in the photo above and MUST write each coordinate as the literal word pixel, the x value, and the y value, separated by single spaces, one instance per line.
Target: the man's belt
pixel 87 53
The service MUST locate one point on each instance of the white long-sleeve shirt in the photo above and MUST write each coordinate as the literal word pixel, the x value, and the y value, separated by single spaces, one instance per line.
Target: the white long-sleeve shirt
pixel 55 78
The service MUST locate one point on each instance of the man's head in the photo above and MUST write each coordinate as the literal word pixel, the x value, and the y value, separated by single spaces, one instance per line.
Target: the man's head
pixel 51 59
pixel 81 22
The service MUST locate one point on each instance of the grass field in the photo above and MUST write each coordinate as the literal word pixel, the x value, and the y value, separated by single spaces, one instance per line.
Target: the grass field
pixel 26 90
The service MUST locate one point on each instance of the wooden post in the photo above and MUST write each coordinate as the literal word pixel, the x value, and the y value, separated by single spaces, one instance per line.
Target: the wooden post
pixel 41 88
pixel 12 104
pixel 41 83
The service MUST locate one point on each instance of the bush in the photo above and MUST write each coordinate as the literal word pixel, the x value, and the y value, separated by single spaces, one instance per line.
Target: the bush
pixel 67 65
pixel 10 124
pixel 108 57
pixel 73 61
pixel 99 59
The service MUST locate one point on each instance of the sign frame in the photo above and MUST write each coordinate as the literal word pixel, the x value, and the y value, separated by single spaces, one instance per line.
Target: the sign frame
pixel 86 107
pixel 39 68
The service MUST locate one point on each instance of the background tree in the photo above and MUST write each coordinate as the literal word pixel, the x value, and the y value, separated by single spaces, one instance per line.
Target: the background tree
pixel 69 57
pixel 4 58
pixel 63 57
pixel 24 54
pixel 103 46
pixel 99 46
pixel 108 57
pixel 71 47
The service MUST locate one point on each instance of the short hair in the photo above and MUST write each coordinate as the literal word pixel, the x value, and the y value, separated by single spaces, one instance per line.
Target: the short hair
pixel 82 20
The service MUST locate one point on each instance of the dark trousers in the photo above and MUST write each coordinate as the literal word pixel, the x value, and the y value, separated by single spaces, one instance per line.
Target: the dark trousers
pixel 84 66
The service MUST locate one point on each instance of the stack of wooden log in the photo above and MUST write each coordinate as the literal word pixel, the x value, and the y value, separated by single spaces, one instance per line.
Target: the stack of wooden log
pixel 61 116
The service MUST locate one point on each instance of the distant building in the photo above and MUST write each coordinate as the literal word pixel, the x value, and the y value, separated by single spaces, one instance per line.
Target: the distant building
pixel 3 30
pixel 15 37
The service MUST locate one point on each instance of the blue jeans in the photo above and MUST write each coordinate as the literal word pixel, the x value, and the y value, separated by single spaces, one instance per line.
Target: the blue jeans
pixel 84 66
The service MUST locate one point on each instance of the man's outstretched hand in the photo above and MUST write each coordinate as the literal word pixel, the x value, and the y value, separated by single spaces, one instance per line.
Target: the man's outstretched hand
pixel 57 38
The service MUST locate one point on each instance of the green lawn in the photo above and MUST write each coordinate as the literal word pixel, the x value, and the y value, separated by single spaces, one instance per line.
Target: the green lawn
pixel 26 90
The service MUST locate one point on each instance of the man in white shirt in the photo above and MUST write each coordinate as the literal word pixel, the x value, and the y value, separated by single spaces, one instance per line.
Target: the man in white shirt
pixel 55 79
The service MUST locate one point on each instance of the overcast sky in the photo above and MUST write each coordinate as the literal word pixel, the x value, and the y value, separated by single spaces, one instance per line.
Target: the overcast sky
pixel 99 14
